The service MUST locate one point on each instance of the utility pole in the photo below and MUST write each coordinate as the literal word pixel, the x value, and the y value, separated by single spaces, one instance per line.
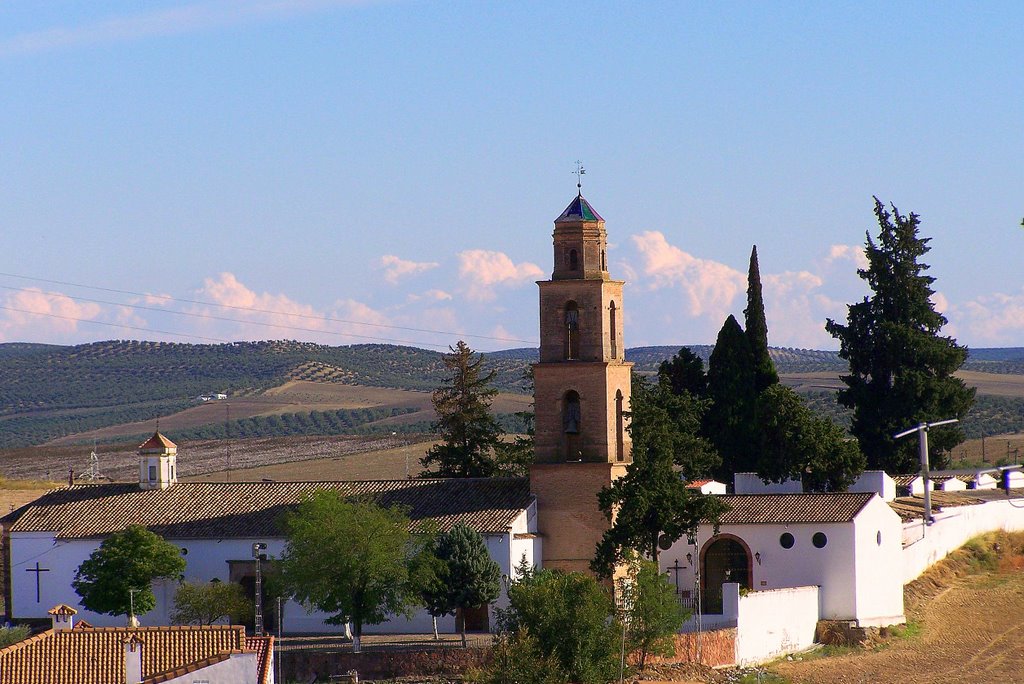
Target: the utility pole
pixel 922 432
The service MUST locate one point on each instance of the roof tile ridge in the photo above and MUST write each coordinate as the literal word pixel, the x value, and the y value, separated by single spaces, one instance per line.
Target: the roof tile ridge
pixel 35 638
pixel 182 670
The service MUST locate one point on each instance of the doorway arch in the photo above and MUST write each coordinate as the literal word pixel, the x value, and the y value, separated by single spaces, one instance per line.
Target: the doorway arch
pixel 724 558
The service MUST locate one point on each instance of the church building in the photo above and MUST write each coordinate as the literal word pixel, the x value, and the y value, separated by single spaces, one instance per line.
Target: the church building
pixel 847 544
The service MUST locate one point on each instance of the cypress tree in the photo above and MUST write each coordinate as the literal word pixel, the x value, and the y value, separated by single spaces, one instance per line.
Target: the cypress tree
pixel 730 422
pixel 901 369
pixel 757 328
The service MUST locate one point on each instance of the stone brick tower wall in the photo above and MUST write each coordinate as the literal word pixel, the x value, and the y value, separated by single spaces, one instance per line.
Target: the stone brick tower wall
pixel 581 390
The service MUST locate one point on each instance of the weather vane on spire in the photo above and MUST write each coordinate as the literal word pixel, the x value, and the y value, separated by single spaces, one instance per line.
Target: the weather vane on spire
pixel 579 173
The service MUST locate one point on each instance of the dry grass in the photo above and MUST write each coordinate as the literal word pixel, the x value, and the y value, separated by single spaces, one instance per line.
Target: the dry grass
pixel 966 626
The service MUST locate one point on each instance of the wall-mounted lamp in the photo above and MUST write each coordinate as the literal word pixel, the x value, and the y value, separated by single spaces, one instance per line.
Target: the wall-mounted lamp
pixel 689 559
pixel 757 557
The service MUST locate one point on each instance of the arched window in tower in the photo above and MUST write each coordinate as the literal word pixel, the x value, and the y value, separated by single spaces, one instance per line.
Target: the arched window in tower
pixel 572 331
pixel 612 337
pixel 620 446
pixel 571 413
pixel 604 262
pixel 574 261
pixel 565 258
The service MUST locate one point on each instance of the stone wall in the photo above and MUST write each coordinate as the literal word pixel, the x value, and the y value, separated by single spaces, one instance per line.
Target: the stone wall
pixel 714 648
pixel 304 666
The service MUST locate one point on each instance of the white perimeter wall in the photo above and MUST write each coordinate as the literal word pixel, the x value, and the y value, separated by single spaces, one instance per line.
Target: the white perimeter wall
pixel 771 623
pixel 953 526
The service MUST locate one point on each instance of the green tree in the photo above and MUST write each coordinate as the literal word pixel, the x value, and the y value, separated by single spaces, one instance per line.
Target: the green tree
pixel 729 423
pixel 428 579
pixel 517 658
pixel 349 559
pixel 204 603
pixel 653 614
pixel 901 368
pixel 470 435
pixel 798 444
pixel 126 563
pixel 685 374
pixel 651 500
pixel 757 328
pixel 571 620
pixel 473 578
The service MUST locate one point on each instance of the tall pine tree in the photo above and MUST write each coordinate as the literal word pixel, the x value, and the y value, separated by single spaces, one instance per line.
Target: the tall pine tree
pixel 757 328
pixel 901 368
pixel 470 435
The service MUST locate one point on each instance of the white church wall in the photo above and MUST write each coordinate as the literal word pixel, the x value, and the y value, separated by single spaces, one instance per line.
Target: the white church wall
pixel 771 623
pixel 832 567
pixel 878 590
pixel 953 526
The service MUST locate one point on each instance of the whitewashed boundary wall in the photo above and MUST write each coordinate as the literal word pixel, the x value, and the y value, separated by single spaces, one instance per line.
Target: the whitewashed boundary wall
pixel 953 526
pixel 768 623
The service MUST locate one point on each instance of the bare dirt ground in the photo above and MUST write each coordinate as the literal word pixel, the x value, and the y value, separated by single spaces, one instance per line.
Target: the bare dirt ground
pixel 987 383
pixel 15 494
pixel 971 632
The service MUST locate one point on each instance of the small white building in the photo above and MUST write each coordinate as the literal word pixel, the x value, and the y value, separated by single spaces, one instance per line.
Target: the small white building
pixel 707 486
pixel 847 544
pixel 947 483
pixel 215 524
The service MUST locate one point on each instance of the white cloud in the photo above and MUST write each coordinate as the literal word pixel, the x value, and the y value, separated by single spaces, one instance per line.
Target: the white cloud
pixel 433 295
pixel 852 253
pixel 199 16
pixel 31 315
pixel 708 287
pixel 482 270
pixel 395 268
pixel 988 320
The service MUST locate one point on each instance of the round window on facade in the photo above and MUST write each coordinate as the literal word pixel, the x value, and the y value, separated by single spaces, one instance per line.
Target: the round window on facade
pixel 878 537
pixel 819 540
pixel 787 540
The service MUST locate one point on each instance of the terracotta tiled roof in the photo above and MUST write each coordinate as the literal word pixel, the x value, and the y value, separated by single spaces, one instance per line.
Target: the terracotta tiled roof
pixel 62 609
pixel 697 484
pixel 792 508
pixel 157 443
pixel 904 480
pixel 263 647
pixel 253 509
pixel 95 655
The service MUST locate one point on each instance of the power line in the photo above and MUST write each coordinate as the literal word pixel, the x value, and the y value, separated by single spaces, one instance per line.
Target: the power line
pixel 217 318
pixel 114 325
pixel 255 310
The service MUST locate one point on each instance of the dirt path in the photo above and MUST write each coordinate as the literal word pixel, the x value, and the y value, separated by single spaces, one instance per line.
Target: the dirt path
pixel 972 633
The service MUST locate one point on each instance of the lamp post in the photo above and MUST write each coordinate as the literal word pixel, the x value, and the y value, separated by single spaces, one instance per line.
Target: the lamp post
pixel 257 547
pixel 922 432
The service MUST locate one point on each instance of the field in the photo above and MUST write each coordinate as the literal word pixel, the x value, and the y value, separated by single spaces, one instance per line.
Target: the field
pixel 970 628
pixel 302 458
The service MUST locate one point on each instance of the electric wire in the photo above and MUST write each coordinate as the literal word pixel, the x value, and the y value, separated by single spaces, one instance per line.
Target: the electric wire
pixel 216 318
pixel 256 310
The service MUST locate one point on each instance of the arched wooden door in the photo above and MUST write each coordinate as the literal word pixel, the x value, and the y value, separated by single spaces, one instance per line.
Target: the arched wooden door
pixel 726 559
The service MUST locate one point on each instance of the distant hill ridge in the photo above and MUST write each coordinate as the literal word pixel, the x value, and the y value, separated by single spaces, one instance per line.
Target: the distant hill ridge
pixel 47 391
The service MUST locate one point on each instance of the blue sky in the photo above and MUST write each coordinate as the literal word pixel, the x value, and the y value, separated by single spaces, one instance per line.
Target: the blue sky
pixel 346 172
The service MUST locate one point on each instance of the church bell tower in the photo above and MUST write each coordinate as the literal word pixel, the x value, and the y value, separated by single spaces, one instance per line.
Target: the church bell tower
pixel 581 390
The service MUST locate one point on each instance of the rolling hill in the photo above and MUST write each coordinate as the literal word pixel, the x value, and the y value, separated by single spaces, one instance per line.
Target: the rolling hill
pixel 114 390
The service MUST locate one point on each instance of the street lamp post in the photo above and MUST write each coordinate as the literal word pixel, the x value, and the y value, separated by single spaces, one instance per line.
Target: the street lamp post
pixel 922 432
pixel 257 548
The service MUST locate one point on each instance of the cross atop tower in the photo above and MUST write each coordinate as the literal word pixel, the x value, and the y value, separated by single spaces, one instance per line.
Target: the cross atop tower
pixel 579 173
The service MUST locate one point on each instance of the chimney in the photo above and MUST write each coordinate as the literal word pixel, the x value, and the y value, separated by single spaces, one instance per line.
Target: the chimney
pixel 133 659
pixel 62 617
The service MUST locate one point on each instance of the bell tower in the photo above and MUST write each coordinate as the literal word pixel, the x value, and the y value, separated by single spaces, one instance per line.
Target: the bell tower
pixel 581 390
